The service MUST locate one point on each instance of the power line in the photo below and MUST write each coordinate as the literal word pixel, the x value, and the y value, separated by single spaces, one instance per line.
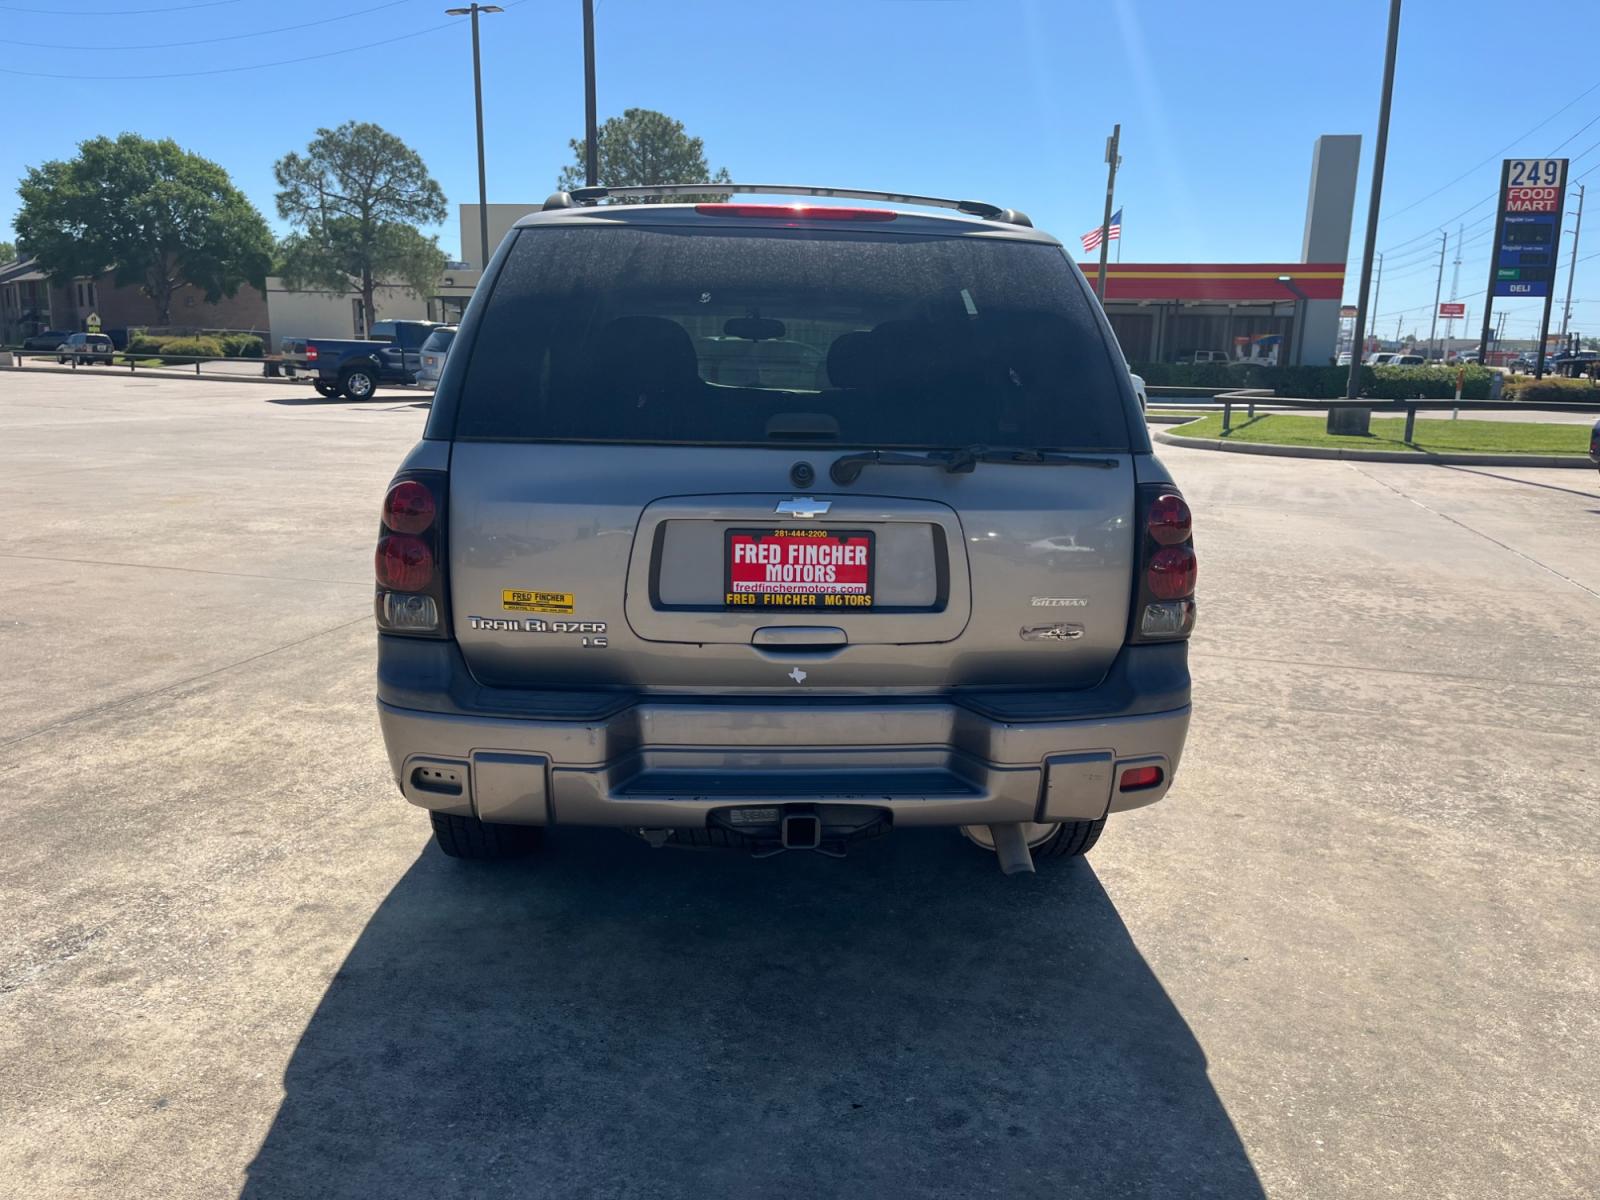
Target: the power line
pixel 1500 152
pixel 232 37
pixel 282 62
pixel 116 12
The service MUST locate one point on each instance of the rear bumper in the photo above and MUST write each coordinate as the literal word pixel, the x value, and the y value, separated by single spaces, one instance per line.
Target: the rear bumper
pixel 663 762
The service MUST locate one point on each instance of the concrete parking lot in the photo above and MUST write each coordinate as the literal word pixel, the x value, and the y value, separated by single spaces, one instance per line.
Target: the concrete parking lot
pixel 1354 954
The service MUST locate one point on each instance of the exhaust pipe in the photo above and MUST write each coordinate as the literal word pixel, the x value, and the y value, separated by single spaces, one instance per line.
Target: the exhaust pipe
pixel 1011 848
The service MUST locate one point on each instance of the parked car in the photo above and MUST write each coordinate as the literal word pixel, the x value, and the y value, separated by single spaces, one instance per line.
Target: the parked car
pixel 354 368
pixel 1202 356
pixel 1594 444
pixel 1381 358
pixel 1407 360
pixel 85 348
pixel 46 339
pixel 433 354
pixel 783 613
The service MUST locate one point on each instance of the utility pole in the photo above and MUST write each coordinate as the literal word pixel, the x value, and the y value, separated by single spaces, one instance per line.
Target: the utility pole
pixel 1577 231
pixel 1438 288
pixel 1114 160
pixel 477 94
pixel 1375 203
pixel 1377 289
pixel 591 136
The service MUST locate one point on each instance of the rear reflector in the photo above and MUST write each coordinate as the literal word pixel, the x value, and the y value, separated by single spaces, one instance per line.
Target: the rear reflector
pixel 802 212
pixel 403 562
pixel 1137 779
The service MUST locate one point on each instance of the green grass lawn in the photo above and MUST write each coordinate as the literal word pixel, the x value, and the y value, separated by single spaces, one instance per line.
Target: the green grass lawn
pixel 1433 434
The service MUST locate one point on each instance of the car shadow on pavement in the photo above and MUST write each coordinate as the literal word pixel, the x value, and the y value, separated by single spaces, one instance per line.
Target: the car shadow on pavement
pixel 607 1020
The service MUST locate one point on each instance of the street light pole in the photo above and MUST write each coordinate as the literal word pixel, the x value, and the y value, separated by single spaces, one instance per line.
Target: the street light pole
pixel 1375 203
pixel 477 93
pixel 591 137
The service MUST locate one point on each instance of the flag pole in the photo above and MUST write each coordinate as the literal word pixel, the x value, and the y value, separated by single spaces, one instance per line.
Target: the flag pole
pixel 1119 244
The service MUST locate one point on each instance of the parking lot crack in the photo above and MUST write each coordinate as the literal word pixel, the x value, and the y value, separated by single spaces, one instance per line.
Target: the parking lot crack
pixel 98 562
pixel 180 684
pixel 1543 566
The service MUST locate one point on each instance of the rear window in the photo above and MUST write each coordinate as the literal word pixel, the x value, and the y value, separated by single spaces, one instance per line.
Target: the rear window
pixel 439 340
pixel 781 336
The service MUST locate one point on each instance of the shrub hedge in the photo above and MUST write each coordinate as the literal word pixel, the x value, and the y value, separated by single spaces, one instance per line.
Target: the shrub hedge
pixel 241 345
pixel 183 350
pixel 1552 390
pixel 1428 383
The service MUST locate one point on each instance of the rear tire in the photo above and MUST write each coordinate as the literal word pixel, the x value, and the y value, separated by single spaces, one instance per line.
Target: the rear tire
pixel 1072 839
pixel 1069 839
pixel 358 383
pixel 468 837
pixel 326 389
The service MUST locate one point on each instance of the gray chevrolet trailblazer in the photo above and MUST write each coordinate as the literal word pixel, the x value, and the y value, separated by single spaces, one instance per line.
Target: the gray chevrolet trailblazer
pixel 779 526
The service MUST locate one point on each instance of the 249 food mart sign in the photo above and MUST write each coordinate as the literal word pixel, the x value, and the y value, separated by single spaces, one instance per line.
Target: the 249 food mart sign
pixel 1533 192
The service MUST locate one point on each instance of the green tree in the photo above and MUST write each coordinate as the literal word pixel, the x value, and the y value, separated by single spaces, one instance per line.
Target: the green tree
pixel 355 198
pixel 153 213
pixel 8 252
pixel 643 146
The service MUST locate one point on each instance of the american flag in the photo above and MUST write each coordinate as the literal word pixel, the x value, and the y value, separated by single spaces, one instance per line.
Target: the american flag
pixel 1091 240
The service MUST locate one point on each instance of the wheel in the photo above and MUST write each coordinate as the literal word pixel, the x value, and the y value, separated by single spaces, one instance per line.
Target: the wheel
pixel 61 360
pixel 1069 839
pixel 324 388
pixel 358 382
pixel 468 837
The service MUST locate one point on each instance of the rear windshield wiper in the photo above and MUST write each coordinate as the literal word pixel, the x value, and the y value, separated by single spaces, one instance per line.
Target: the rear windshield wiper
pixel 959 460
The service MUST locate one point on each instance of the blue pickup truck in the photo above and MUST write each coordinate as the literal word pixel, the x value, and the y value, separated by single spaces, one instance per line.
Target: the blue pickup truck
pixel 392 354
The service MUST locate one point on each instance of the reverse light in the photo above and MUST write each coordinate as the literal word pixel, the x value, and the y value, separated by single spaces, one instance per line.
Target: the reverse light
pixel 409 613
pixel 403 562
pixel 1167 619
pixel 804 212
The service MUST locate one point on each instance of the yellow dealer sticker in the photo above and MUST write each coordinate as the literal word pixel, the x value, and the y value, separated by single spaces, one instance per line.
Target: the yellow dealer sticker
pixel 523 600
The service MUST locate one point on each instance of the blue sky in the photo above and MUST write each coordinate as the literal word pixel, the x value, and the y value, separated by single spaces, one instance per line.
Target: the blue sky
pixel 1004 100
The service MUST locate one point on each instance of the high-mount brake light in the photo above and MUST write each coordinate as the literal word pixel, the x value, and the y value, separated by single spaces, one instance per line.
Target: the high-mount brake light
pixel 799 212
pixel 408 508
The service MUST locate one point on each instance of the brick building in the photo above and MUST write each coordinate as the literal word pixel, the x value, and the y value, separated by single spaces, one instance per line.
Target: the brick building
pixel 29 304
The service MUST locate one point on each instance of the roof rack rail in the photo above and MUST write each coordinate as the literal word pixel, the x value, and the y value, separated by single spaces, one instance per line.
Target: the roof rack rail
pixel 587 196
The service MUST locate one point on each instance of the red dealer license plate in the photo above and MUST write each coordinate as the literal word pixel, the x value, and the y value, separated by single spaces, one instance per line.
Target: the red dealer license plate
pixel 799 568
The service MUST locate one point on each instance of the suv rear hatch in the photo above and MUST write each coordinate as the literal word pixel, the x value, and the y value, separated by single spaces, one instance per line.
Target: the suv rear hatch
pixel 700 453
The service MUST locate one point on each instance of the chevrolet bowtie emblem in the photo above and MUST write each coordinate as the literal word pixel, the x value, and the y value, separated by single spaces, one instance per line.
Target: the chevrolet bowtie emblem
pixel 803 507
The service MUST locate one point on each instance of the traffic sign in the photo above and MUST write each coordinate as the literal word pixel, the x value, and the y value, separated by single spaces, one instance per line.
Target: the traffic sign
pixel 92 321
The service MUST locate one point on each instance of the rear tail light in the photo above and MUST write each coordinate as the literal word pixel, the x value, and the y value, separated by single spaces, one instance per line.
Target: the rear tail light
pixel 410 557
pixel 311 353
pixel 800 212
pixel 1164 608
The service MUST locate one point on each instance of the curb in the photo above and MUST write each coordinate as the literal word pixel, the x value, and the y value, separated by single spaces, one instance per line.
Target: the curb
pixel 1400 456
pixel 151 372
